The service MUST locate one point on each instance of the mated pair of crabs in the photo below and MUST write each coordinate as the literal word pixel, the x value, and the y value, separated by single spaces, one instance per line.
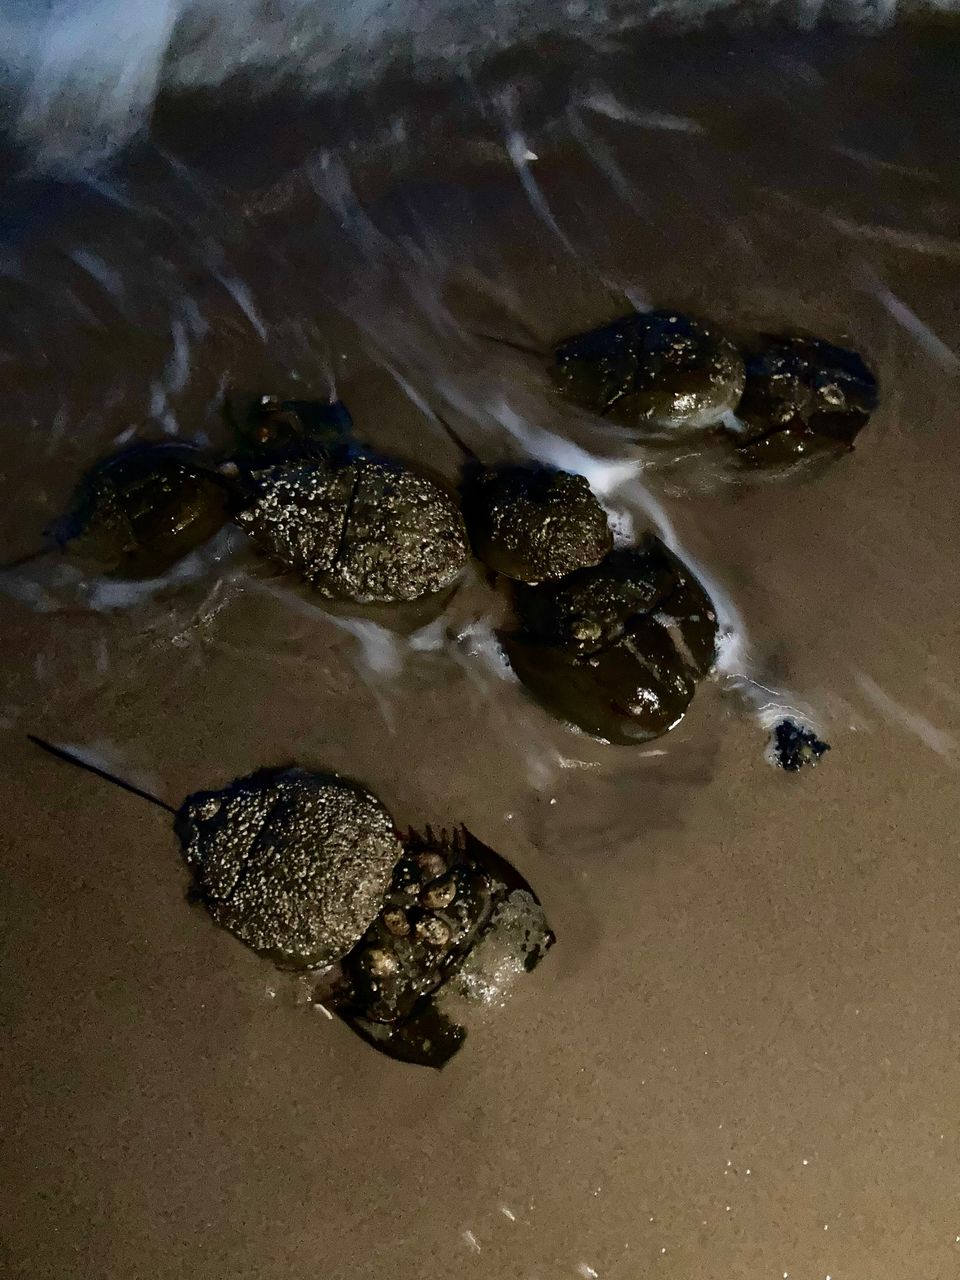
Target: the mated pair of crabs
pixel 310 871
pixel 667 376
pixel 406 937
pixel 357 526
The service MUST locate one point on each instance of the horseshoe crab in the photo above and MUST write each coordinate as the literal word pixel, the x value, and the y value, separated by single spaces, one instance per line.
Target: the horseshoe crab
pixel 356 526
pixel 802 395
pixel 458 925
pixel 616 650
pixel 309 871
pixel 274 431
pixel 657 371
pixel 142 510
pixel 292 863
pixel 530 522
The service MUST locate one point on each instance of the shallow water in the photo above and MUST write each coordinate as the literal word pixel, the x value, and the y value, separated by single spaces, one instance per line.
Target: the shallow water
pixel 740 1058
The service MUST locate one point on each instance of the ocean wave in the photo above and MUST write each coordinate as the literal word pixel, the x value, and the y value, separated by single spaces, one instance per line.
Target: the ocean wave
pixel 80 77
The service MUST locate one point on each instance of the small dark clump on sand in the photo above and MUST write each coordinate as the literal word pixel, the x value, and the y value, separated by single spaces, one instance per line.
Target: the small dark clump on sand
pixel 794 746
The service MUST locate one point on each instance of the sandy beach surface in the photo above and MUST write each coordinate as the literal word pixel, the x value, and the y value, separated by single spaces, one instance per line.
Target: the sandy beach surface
pixel 741 1058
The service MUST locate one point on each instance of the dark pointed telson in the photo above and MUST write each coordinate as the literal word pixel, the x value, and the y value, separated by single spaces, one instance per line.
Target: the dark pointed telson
pixel 71 757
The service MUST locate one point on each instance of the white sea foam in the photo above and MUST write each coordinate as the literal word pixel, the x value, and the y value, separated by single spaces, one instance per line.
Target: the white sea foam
pixel 85 73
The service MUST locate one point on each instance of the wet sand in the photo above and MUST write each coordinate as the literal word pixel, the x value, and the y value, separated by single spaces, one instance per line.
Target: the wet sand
pixel 741 1058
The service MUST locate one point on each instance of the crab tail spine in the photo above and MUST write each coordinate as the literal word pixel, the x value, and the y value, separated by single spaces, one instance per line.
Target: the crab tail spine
pixel 71 757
